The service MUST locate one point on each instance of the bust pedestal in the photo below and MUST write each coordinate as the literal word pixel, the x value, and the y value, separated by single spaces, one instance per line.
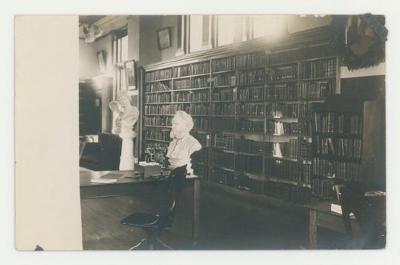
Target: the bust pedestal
pixel 127 160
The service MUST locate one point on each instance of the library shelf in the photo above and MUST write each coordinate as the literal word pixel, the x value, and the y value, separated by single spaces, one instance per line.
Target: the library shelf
pixel 157 92
pixel 272 81
pixel 223 72
pixel 191 89
pixel 156 126
pixel 181 77
pixel 224 168
pixel 318 78
pixel 282 158
pixel 156 140
pixel 159 80
pixel 224 86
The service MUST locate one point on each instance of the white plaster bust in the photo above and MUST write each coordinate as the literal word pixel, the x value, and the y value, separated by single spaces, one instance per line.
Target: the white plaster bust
pixel 183 145
pixel 124 115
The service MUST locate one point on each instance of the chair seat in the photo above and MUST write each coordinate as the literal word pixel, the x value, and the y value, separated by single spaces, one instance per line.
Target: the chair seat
pixel 142 220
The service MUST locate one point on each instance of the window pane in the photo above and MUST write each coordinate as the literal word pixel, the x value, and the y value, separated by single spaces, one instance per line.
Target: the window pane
pixel 269 25
pixel 124 54
pixel 231 29
pixel 196 33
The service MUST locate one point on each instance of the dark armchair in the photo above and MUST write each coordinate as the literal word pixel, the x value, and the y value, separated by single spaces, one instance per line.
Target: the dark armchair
pixel 103 155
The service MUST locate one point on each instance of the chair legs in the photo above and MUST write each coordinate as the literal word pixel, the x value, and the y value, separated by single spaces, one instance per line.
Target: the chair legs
pixel 152 242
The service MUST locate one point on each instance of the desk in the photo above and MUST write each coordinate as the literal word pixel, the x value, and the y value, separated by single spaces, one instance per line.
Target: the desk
pixel 125 181
pixel 320 214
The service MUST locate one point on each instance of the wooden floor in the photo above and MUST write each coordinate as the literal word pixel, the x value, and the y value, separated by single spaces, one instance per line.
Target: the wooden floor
pixel 226 222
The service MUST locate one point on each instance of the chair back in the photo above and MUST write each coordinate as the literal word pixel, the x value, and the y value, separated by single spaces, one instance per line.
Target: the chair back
pixel 175 184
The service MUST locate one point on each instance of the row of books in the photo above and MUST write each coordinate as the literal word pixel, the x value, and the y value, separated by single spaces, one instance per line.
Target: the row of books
pixel 201 68
pixel 251 77
pixel 182 84
pixel 250 60
pixel 251 109
pixel 289 110
pixel 183 70
pixel 305 147
pixel 200 123
pixel 282 169
pixel 159 74
pixel 310 69
pixel 338 147
pixel 250 164
pixel 192 96
pixel 204 139
pixel 322 188
pixel 286 128
pixel 246 125
pixel 223 94
pixel 352 126
pixel 199 82
pixel 319 68
pixel 316 89
pixel 158 120
pixel 282 73
pixel 290 149
pixel 333 168
pixel 251 93
pixel 222 159
pixel 156 134
pixel 193 109
pixel 249 146
pixel 158 86
pixel 223 124
pixel 285 91
pixel 157 98
pixel 334 122
pixel 226 79
pixel 223 64
pixel 223 108
pixel 224 141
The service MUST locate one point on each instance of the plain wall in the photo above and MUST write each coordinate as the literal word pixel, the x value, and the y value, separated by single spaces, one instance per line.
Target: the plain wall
pixel 46 131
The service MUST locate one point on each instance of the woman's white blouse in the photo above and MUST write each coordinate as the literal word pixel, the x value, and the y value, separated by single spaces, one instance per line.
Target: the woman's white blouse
pixel 180 150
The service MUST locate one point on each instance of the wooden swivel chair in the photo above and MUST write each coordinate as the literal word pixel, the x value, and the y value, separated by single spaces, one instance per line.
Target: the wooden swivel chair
pixel 154 223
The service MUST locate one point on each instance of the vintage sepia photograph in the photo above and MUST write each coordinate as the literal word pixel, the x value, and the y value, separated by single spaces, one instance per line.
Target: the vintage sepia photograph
pixel 232 132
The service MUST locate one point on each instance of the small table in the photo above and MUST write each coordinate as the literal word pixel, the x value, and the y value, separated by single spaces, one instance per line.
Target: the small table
pixel 121 181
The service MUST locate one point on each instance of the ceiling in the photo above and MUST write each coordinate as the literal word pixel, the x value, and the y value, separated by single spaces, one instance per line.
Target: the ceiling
pixel 106 23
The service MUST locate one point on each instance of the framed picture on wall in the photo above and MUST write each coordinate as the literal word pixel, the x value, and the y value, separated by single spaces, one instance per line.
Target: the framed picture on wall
pixel 164 38
pixel 130 74
pixel 101 60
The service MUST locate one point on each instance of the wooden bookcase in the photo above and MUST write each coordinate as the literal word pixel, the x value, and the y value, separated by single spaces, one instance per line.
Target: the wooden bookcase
pixel 236 99
pixel 348 143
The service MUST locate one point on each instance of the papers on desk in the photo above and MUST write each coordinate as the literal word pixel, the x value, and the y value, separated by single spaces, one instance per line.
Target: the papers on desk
pixel 103 180
pixel 336 208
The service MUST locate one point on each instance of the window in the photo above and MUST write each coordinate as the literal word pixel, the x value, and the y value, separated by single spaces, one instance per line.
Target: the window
pixel 268 25
pixel 231 29
pixel 120 55
pixel 198 32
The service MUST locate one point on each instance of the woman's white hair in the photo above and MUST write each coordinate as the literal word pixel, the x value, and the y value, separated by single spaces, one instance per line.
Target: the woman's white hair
pixel 185 118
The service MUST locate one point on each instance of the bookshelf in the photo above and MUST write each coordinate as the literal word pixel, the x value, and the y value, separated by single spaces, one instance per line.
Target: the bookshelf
pixel 347 143
pixel 237 101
